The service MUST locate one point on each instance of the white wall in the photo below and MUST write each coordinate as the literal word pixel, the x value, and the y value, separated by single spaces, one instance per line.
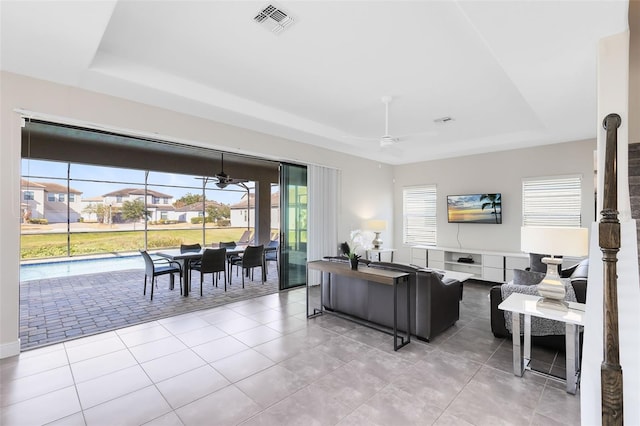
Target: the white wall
pixel 366 191
pixel 490 173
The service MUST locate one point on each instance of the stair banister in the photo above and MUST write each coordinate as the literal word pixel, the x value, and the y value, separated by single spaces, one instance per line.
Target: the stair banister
pixel 609 241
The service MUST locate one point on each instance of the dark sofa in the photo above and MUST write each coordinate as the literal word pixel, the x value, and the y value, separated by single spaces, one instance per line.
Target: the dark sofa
pixel 577 274
pixel 434 302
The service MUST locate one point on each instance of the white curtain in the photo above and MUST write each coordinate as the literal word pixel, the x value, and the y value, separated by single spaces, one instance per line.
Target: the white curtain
pixel 322 227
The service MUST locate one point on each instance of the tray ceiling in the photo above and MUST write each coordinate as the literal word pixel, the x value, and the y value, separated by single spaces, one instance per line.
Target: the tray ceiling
pixel 510 74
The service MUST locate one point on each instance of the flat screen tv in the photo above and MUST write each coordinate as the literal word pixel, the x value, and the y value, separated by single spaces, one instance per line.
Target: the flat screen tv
pixel 474 208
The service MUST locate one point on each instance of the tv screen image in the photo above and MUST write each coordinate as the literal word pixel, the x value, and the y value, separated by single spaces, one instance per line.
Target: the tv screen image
pixel 474 208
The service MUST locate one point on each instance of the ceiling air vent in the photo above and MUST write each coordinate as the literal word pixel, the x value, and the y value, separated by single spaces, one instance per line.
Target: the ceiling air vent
pixel 443 120
pixel 274 18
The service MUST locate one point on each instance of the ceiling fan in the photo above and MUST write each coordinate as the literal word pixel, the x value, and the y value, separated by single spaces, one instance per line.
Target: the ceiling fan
pixel 387 139
pixel 223 178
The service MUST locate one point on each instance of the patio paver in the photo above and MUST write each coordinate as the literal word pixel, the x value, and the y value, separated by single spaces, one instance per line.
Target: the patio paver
pixel 59 309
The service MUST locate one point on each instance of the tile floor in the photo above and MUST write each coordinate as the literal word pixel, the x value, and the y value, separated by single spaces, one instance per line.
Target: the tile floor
pixel 261 362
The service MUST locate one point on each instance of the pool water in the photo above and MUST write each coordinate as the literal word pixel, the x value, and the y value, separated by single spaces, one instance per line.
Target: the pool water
pixel 38 271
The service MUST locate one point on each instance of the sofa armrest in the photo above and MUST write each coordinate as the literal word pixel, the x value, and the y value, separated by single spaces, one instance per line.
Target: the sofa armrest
pixel 579 277
pixel 566 273
pixel 498 327
pixel 448 289
pixel 441 305
pixel 580 289
pixel 449 281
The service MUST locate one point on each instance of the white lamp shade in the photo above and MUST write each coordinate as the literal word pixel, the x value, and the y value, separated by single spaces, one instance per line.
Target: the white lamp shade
pixel 555 241
pixel 376 225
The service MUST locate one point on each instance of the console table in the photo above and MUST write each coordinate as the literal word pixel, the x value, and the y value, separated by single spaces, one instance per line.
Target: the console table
pixel 573 317
pixel 380 276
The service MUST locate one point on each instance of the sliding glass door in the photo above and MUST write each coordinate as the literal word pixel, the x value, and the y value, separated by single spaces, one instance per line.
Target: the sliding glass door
pixel 293 229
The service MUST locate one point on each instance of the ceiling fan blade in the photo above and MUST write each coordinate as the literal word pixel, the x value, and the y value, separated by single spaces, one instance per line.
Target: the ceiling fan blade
pixel 238 180
pixel 360 138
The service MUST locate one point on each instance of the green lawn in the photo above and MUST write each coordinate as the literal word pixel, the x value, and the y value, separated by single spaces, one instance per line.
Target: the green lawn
pixel 34 246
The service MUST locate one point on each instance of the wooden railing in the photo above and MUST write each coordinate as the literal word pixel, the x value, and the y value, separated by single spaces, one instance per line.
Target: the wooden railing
pixel 609 240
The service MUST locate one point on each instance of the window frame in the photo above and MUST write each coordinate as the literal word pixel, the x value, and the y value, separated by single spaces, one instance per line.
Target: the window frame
pixel 414 233
pixel 540 196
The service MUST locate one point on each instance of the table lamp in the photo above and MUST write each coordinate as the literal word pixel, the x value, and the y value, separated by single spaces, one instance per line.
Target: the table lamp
pixel 554 241
pixel 377 226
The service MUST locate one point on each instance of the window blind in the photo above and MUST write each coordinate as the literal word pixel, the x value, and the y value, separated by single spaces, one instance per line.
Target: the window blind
pixel 419 215
pixel 552 201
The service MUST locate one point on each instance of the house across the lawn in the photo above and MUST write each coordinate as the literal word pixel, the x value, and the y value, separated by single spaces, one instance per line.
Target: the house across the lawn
pixel 243 212
pixel 49 200
pixel 194 210
pixel 158 205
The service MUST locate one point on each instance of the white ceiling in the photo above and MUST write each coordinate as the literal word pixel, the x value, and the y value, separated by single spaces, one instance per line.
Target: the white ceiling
pixel 510 73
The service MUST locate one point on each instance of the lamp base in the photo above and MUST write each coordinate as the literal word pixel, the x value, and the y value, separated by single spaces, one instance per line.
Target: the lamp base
pixel 551 287
pixel 556 305
pixel 377 241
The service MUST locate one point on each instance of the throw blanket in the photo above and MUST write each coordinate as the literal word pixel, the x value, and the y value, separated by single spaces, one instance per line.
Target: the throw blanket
pixel 539 326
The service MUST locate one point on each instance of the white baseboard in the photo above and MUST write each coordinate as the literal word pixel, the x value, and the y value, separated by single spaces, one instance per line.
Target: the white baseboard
pixel 10 349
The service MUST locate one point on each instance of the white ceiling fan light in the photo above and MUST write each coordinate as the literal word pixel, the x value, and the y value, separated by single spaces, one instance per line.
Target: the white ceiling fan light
pixel 387 140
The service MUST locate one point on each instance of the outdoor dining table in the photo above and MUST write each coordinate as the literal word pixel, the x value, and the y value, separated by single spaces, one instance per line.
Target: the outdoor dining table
pixel 188 256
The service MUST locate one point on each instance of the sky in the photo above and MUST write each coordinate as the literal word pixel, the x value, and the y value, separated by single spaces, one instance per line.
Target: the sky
pixel 116 178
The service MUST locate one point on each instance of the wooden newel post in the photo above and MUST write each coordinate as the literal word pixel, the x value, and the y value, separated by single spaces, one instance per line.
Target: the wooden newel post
pixel 609 240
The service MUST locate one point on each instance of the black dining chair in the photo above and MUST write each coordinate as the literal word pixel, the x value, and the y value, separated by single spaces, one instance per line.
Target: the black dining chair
pixel 270 255
pixel 253 257
pixel 212 262
pixel 190 248
pixel 185 248
pixel 231 257
pixel 157 267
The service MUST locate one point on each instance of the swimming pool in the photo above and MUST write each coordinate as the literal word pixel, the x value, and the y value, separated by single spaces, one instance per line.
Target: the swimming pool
pixel 66 268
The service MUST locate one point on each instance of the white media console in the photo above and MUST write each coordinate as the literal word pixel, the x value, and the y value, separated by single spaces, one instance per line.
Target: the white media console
pixel 483 265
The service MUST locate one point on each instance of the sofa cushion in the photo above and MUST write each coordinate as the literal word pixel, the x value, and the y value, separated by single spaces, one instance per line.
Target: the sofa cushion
pixel 521 277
